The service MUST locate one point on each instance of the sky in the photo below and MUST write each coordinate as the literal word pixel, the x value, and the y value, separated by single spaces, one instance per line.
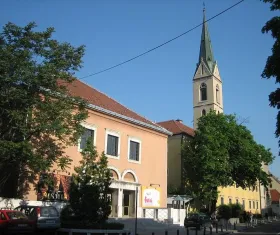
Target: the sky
pixel 159 85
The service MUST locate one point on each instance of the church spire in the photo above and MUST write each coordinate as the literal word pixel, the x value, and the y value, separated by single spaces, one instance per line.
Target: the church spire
pixel 206 53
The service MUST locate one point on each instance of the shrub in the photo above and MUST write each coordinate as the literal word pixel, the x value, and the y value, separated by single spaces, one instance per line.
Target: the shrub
pixel 75 223
pixel 224 212
pixel 236 210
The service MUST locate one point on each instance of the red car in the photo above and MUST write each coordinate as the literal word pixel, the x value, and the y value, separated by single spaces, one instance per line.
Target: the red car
pixel 15 222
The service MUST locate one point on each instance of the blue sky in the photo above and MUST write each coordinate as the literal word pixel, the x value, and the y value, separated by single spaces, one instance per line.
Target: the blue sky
pixel 159 84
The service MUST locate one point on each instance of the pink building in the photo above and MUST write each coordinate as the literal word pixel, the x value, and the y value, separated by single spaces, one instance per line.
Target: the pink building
pixel 136 150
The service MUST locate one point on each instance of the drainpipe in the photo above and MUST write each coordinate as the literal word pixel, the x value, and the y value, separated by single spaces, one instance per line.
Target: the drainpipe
pixel 260 191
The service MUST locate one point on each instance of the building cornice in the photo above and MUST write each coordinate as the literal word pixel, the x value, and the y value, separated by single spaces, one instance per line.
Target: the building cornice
pixel 128 119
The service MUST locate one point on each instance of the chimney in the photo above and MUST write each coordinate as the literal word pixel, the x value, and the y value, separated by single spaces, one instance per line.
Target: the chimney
pixel 179 120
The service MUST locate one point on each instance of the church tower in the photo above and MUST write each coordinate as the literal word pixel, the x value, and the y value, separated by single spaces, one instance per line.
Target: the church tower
pixel 207 83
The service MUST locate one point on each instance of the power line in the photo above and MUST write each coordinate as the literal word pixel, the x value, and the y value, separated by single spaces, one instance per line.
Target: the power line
pixel 146 52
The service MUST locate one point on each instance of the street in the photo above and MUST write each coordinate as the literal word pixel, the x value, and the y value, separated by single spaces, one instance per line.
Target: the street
pixel 271 228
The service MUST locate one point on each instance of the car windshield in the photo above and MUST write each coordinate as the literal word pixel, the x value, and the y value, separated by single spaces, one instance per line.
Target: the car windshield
pixel 16 215
pixel 49 212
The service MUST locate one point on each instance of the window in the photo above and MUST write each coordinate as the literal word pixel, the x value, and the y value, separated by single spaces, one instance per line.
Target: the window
pixel 253 205
pixel 88 133
pixel 203 92
pixel 237 201
pixel 250 205
pixel 112 144
pixel 257 204
pixel 222 201
pixel 217 94
pixel 243 204
pixel 203 112
pixel 134 150
pixel 230 201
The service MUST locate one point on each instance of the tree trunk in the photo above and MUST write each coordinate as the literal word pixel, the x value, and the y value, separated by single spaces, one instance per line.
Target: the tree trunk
pixel 213 206
pixel 9 188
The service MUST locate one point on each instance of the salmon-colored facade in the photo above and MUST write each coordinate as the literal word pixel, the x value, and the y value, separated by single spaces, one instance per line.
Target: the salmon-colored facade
pixel 137 156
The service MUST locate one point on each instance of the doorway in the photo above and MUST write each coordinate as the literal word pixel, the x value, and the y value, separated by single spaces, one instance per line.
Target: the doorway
pixel 128 203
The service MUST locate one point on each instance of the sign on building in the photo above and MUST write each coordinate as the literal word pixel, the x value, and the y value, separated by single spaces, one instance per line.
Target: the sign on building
pixel 150 197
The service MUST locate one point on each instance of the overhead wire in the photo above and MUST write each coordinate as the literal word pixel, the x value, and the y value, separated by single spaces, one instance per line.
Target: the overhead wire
pixel 163 44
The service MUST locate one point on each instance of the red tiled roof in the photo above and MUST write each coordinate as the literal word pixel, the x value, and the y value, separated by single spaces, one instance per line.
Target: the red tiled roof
pixel 275 195
pixel 97 98
pixel 177 127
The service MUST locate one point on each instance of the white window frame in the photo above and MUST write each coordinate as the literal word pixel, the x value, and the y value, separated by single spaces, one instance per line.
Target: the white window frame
pixel 135 139
pixel 90 127
pixel 116 134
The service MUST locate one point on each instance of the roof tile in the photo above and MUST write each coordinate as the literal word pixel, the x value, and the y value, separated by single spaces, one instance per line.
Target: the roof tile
pixel 275 195
pixel 97 98
pixel 177 127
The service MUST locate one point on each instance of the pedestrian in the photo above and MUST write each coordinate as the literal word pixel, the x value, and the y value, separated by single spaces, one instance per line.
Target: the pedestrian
pixel 251 219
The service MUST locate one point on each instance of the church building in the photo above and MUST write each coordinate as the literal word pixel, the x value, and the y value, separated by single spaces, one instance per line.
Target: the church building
pixel 207 95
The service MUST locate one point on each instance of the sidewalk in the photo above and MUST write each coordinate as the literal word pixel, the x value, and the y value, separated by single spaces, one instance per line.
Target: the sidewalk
pixel 179 231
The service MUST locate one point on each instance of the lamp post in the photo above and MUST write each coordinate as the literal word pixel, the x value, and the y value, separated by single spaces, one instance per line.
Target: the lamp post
pixel 136 209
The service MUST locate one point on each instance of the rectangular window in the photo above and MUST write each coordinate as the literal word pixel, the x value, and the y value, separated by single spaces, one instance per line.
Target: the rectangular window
pixel 134 151
pixel 253 205
pixel 250 205
pixel 243 204
pixel 87 134
pixel 112 145
pixel 230 201
pixel 237 201
pixel 222 201
pixel 257 204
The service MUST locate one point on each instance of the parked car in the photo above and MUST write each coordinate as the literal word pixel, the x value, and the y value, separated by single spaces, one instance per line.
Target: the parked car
pixel 46 217
pixel 197 220
pixel 15 222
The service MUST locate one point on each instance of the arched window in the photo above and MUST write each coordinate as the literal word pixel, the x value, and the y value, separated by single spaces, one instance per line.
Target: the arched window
pixel 203 92
pixel 217 94
pixel 203 112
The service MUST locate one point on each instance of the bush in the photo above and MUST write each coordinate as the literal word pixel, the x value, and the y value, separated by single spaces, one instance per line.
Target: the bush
pixel 69 220
pixel 236 210
pixel 258 216
pixel 75 223
pixel 224 212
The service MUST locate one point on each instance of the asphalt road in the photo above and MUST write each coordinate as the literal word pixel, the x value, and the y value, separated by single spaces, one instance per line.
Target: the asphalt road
pixel 271 229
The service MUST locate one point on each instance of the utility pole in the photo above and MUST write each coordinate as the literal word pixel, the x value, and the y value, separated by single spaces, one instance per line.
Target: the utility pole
pixel 136 205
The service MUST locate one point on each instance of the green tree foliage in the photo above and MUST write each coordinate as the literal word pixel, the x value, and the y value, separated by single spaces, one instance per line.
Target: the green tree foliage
pixel 90 187
pixel 38 119
pixel 272 68
pixel 236 210
pixel 224 212
pixel 222 153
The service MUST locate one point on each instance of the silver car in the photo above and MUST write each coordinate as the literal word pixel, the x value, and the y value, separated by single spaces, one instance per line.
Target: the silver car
pixel 46 217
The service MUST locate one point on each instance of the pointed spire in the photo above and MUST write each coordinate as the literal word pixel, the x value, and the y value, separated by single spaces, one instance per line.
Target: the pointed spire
pixel 206 53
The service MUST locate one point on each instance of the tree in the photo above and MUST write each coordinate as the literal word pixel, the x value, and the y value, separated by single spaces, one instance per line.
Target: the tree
pixel 236 210
pixel 272 68
pixel 38 118
pixel 222 153
pixel 225 212
pixel 90 187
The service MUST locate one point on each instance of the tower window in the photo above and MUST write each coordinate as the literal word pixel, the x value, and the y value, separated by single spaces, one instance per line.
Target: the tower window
pixel 203 112
pixel 203 92
pixel 217 94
